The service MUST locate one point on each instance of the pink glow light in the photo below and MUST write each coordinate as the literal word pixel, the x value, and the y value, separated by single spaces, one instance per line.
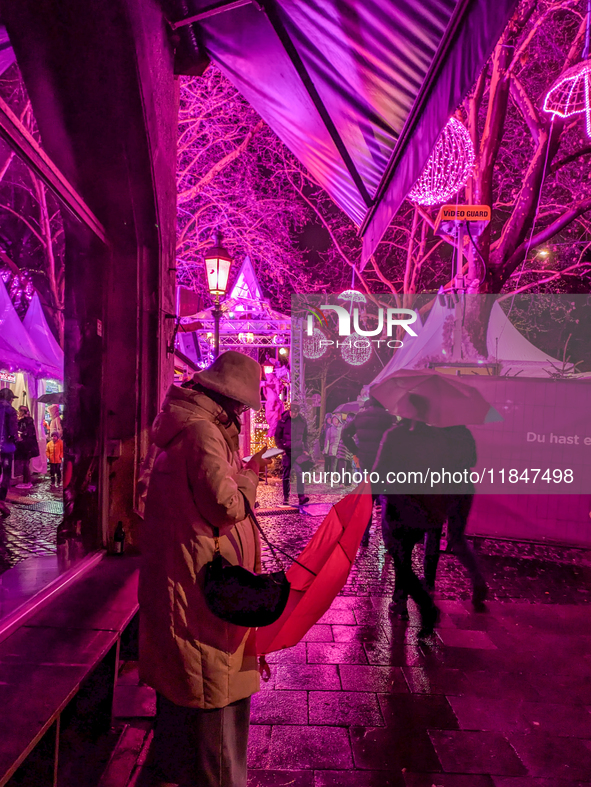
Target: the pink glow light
pixel 569 95
pixel 448 168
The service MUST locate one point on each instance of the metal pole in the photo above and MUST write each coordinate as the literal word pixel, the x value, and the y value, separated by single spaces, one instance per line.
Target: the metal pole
pixel 217 313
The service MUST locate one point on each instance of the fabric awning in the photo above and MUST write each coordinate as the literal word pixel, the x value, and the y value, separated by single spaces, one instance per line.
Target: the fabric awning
pixel 38 329
pixel 17 350
pixel 358 90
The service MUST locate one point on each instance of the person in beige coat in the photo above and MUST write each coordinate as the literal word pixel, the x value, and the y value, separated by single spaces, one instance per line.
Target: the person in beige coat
pixel 204 670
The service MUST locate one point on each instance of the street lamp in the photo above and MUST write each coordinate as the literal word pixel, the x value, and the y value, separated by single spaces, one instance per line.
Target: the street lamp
pixel 217 267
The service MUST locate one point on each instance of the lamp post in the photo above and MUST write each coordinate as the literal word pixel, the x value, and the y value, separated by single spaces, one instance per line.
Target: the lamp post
pixel 217 267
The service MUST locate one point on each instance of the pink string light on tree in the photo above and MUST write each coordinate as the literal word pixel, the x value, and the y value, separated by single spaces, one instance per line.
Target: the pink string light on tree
pixel 570 94
pixel 448 167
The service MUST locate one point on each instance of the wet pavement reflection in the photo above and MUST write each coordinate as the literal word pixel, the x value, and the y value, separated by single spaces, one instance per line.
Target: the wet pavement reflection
pixel 29 532
pixel 494 699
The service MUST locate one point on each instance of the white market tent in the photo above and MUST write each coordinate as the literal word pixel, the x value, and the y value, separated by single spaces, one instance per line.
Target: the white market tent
pixel 507 348
pixel 18 350
pixel 42 336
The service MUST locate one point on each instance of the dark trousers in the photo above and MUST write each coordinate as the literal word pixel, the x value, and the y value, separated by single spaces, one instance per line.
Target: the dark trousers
pixel 55 472
pixel 458 545
pixel 457 519
pixel 26 471
pixel 287 474
pixel 199 748
pixel 400 541
pixel 5 474
pixel 431 555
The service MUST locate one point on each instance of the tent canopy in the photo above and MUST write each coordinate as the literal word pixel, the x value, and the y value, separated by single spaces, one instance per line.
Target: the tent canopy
pixel 358 90
pixel 40 332
pixel 506 347
pixel 17 349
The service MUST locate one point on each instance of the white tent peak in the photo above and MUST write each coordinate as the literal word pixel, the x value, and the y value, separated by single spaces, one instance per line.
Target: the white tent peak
pixel 36 324
pixel 17 348
pixel 246 287
pixel 506 346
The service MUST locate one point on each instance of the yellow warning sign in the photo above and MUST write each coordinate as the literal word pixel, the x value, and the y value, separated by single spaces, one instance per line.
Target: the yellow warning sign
pixel 463 213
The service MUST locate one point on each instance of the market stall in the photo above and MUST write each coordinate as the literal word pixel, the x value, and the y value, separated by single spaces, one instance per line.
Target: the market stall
pixel 251 326
pixel 31 362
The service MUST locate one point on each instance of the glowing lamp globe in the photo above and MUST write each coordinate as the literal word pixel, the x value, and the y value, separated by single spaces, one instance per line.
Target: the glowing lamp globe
pixel 448 167
pixel 570 94
pixel 217 266
pixel 357 350
pixel 314 346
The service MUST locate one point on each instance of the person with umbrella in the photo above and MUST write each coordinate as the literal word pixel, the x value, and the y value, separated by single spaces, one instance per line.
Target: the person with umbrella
pixel 435 409
pixel 203 668
pixel 408 448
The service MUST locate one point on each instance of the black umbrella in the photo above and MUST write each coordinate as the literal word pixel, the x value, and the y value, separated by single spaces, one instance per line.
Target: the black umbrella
pixel 53 398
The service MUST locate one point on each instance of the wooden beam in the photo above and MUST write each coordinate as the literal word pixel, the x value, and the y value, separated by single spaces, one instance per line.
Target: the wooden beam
pixel 28 149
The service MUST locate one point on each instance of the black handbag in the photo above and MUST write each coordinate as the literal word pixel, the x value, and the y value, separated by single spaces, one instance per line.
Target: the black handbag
pixel 237 595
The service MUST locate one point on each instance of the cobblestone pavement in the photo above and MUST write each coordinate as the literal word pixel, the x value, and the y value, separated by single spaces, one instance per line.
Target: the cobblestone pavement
pixel 28 532
pixel 495 699
pixel 533 573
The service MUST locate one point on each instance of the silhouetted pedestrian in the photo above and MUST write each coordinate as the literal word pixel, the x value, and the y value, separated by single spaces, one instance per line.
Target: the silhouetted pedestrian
pixel 292 435
pixel 461 455
pixel 363 436
pixel 27 447
pixel 405 455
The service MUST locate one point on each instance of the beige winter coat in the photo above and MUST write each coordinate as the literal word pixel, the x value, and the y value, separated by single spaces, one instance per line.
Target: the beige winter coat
pixel 186 653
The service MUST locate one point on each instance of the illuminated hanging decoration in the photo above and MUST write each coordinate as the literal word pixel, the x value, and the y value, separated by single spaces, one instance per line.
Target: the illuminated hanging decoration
pixel 246 338
pixel 352 295
pixel 570 94
pixel 314 346
pixel 357 350
pixel 448 168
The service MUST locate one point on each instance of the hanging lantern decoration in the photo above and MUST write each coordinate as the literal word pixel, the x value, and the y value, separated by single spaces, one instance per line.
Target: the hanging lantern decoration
pixel 246 338
pixel 357 350
pixel 314 346
pixel 352 295
pixel 448 168
pixel 570 94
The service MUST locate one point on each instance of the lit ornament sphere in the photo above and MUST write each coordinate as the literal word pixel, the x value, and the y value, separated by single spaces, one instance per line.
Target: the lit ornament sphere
pixel 448 167
pixel 357 350
pixel 313 346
